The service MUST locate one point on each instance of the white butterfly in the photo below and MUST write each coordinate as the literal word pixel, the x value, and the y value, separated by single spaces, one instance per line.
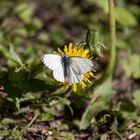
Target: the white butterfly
pixel 70 69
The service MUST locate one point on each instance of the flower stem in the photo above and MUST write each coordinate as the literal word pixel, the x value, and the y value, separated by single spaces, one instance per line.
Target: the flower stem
pixel 109 70
pixel 111 64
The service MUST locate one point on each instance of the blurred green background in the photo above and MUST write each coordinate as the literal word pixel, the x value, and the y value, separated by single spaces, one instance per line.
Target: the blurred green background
pixel 33 105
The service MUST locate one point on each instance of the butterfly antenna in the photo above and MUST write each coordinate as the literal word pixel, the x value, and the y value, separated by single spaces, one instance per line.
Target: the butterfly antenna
pixel 55 44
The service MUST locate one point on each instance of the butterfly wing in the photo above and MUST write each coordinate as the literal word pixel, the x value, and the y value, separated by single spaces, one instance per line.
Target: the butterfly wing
pixel 73 76
pixel 81 65
pixel 59 74
pixel 54 62
pixel 77 67
pixel 75 70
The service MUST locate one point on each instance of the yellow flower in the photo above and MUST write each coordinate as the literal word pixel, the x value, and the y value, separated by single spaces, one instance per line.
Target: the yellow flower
pixel 75 51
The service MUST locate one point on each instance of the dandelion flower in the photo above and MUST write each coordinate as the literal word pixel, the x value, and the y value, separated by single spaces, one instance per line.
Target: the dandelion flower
pixel 71 51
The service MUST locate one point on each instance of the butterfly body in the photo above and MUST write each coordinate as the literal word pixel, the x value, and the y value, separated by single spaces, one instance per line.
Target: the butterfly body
pixel 65 68
pixel 65 62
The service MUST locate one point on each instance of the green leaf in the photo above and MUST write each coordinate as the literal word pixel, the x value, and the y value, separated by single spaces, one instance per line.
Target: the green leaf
pixel 24 11
pixel 104 93
pixel 126 66
pixel 3 133
pixel 101 3
pixel 47 116
pixel 33 25
pixel 131 65
pixel 122 44
pixel 136 98
pixel 104 89
pixel 136 130
pixel 11 55
pixel 125 17
pixel 57 36
pixel 7 121
pixel 90 112
pixel 14 56
pixel 129 115
pixel 64 136
pixel 128 106
pixel 60 103
pixel 128 110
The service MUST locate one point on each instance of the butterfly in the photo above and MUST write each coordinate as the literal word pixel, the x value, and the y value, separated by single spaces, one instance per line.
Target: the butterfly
pixel 69 69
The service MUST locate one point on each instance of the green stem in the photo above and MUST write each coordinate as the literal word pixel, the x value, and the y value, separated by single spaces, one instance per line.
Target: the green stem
pixel 111 64
pixel 118 135
pixel 30 123
pixel 109 70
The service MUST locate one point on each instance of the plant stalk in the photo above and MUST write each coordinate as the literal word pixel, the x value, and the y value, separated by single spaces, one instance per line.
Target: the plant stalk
pixel 112 39
pixel 112 25
pixel 30 123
